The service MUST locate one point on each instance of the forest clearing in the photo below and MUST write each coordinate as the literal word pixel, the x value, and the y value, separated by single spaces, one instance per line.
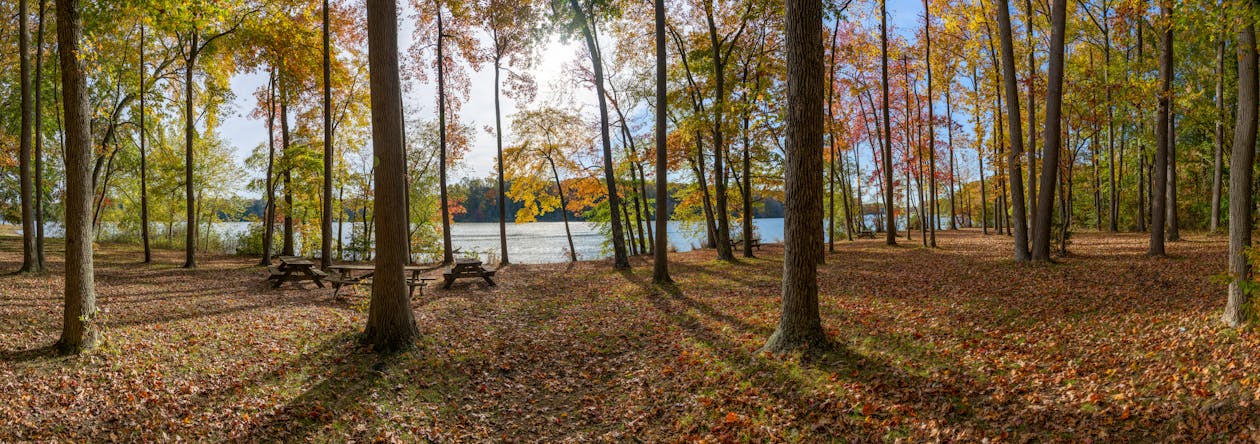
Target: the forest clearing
pixel 954 344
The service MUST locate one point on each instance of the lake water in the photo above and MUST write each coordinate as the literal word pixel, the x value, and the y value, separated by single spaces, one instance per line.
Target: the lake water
pixel 533 243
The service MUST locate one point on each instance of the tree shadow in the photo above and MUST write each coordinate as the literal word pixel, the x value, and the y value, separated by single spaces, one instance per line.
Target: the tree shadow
pixel 30 355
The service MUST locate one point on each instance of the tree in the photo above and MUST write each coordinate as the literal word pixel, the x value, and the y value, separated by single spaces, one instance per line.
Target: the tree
pixel 1014 129
pixel 584 19
pixel 931 145
pixel 890 237
pixel 325 244
pixel 79 330
pixel 1238 307
pixel 391 324
pixel 514 29
pixel 800 326
pixel 660 259
pixel 30 257
pixel 1160 178
pixel 269 209
pixel 1054 107
pixel 39 140
pixel 549 139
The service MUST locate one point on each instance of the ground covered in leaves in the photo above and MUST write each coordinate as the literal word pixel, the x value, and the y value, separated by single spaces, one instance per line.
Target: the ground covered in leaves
pixel 955 344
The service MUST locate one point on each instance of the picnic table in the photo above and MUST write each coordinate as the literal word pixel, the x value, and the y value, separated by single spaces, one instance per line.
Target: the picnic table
pixel 756 243
pixel 467 268
pixel 293 269
pixel 864 234
pixel 355 274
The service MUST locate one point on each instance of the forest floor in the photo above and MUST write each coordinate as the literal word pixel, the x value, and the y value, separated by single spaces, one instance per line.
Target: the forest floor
pixel 954 344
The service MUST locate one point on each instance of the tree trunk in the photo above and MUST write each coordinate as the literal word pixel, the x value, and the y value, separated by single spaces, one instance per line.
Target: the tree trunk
pixel 564 209
pixel 1160 178
pixel 1031 149
pixel 660 262
pixel 498 144
pixel 79 325
pixel 1219 137
pixel 984 198
pixel 269 211
pixel 144 167
pixel 931 122
pixel 1016 142
pixel 831 136
pixel 1172 222
pixel 325 240
pixel 391 324
pixel 620 260
pixel 30 256
pixel 190 224
pixel 448 255
pixel 719 143
pixel 1053 139
pixel 890 237
pixel 1238 308
pixel 40 265
pixel 953 168
pixel 800 326
pixel 288 248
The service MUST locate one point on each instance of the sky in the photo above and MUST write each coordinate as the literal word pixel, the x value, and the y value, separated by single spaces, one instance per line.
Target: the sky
pixel 243 133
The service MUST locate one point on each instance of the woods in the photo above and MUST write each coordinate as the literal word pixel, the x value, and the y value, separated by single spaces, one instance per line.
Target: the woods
pixel 1063 165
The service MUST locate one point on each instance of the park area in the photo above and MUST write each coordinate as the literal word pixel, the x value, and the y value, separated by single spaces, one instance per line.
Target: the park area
pixel 954 344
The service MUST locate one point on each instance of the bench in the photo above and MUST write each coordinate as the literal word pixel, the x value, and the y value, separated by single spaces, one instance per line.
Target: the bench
pixel 292 269
pixel 756 243
pixel 344 275
pixel 866 234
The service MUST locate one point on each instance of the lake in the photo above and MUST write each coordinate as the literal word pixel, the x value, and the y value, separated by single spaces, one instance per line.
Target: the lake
pixel 532 243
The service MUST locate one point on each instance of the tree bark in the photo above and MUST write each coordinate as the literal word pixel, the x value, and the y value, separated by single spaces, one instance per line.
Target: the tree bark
pixel 391 324
pixel 325 240
pixel 1031 149
pixel 1219 137
pixel 498 144
pixel 660 260
pixel 40 265
pixel 1160 178
pixel 30 256
pixel 144 167
pixel 79 330
pixel 931 122
pixel 1016 142
pixel 1238 308
pixel 448 255
pixel 1053 139
pixel 800 326
pixel 269 211
pixel 890 235
pixel 190 224
pixel 288 247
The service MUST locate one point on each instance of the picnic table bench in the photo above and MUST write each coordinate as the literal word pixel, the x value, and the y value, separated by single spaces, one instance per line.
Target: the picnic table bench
pixel 756 243
pixel 863 234
pixel 467 268
pixel 293 269
pixel 357 274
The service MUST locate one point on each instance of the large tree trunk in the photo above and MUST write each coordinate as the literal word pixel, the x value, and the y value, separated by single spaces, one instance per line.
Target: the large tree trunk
pixel 30 257
pixel 1053 139
pixel 890 235
pixel 800 326
pixel 953 168
pixel 1219 136
pixel 719 142
pixel 79 324
pixel 325 241
pixel 1016 142
pixel 190 224
pixel 660 261
pixel 984 198
pixel 831 137
pixel 39 139
pixel 1238 308
pixel 1160 178
pixel 391 324
pixel 448 255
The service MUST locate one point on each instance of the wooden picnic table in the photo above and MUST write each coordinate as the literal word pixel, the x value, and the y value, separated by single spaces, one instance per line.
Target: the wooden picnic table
pixel 467 268
pixel 293 269
pixel 756 243
pixel 355 274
